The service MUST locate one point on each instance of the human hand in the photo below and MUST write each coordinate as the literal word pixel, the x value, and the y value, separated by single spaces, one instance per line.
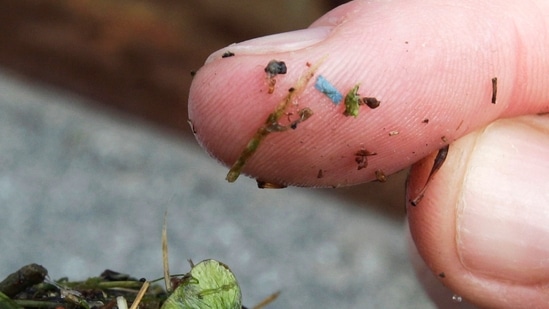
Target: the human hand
pixel 481 226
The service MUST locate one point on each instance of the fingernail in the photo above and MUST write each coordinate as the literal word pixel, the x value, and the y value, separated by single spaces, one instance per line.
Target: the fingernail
pixel 502 218
pixel 282 42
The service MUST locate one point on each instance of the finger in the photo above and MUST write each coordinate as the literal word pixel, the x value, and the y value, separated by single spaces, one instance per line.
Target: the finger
pixel 441 296
pixel 430 63
pixel 482 224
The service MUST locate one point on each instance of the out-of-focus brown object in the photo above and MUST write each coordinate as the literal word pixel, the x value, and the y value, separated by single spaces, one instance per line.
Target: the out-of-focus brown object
pixel 135 55
pixel 25 277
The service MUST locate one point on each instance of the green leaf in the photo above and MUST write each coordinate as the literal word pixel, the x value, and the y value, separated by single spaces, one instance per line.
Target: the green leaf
pixel 209 284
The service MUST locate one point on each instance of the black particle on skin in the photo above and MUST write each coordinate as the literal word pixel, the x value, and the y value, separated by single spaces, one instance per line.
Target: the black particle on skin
pixel 275 67
pixel 371 102
pixel 227 54
pixel 494 89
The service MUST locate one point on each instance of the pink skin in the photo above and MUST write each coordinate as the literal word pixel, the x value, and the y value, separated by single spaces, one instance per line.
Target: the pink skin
pixel 442 74
pixel 483 220
pixel 423 60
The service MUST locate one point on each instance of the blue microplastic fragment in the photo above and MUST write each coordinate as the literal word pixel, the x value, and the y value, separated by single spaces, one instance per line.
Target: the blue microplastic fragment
pixel 324 86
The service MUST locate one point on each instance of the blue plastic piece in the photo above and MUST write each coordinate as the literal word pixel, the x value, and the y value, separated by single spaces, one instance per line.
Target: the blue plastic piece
pixel 324 86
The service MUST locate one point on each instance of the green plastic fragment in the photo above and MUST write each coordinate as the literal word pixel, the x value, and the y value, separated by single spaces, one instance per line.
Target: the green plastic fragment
pixel 209 284
pixel 352 102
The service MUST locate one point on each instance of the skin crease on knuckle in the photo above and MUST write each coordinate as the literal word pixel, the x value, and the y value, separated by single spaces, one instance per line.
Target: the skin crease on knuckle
pixel 434 84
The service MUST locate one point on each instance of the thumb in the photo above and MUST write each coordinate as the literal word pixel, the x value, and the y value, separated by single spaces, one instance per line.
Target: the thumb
pixel 430 63
pixel 482 226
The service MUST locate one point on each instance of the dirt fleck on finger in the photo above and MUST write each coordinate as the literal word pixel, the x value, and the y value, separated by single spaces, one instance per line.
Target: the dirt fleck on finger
pixel 494 89
pixel 320 174
pixel 304 114
pixel 361 158
pixel 227 54
pixel 380 175
pixel 269 185
pixel 273 68
pixel 437 164
pixel 371 102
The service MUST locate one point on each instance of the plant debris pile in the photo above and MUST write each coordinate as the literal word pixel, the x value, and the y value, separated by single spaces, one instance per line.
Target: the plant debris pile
pixel 30 287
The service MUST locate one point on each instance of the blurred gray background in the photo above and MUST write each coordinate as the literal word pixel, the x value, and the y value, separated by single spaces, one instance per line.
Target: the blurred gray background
pixel 83 190
pixel 94 153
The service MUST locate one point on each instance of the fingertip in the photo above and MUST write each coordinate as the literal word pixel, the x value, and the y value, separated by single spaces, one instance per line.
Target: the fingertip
pixel 433 284
pixel 429 95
